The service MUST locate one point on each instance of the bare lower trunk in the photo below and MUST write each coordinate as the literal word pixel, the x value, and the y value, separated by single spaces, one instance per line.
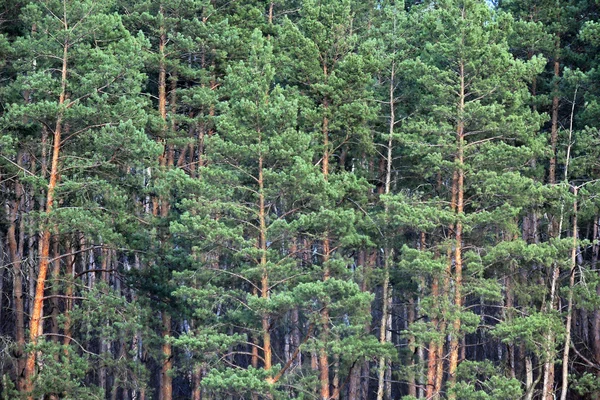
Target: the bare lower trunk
pixel 510 347
pixel 335 383
pixel 354 384
pixel 388 251
pixel 264 289
pixel 454 347
pixel 196 381
pixel 432 362
pixel 554 126
pixel 364 387
pixel 548 383
pixel 529 384
pixel 439 364
pixel 55 282
pixel 323 357
pixel 567 345
pixel 167 365
pixel 384 322
pixel 15 249
pixel 295 336
pixel 410 319
pixel 324 337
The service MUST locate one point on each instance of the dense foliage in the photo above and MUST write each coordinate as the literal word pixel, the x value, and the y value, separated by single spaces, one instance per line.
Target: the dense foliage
pixel 299 199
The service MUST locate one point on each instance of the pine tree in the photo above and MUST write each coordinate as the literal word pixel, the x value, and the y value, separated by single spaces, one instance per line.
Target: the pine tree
pixel 322 46
pixel 82 86
pixel 266 161
pixel 472 108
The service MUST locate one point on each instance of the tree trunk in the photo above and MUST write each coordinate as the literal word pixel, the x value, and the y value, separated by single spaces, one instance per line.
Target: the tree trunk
pixel 324 337
pixel 510 347
pixel 460 132
pixel 388 251
pixel 335 395
pixel 432 362
pixel 15 249
pixel 196 381
pixel 38 302
pixel 264 288
pixel 365 379
pixel 412 386
pixel 167 364
pixel 567 346
pixel 529 383
pixel 548 388
pixel 166 381
pixel 295 336
pixel 323 358
pixel 55 282
pixel 554 126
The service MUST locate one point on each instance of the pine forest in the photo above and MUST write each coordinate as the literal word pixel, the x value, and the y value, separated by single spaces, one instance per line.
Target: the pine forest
pixel 299 199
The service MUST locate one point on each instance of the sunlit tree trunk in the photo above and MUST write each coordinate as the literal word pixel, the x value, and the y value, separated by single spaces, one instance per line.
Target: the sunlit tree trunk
pixel 460 138
pixel 388 251
pixel 35 324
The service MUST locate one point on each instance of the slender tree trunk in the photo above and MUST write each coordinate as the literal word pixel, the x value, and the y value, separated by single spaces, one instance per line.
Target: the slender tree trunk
pixel 567 346
pixel 549 372
pixel 38 302
pixel 548 388
pixel 55 282
pixel 548 384
pixel 510 347
pixel 388 251
pixel 15 249
pixel 167 365
pixel 335 395
pixel 323 358
pixel 197 380
pixel 295 335
pixel 324 337
pixel 69 291
pixel 166 380
pixel 432 362
pixel 354 384
pixel 529 383
pixel 442 325
pixel 454 346
pixel 266 330
pixel 421 389
pixel 412 386
pixel 554 125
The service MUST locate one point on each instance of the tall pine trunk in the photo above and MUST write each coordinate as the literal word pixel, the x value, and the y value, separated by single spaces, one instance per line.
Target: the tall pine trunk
pixel 567 344
pixel 324 338
pixel 166 380
pixel 388 251
pixel 264 284
pixel 460 138
pixel 35 324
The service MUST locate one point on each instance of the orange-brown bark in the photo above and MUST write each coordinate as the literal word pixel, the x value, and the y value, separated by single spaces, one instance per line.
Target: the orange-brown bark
pixel 38 301
pixel 458 262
